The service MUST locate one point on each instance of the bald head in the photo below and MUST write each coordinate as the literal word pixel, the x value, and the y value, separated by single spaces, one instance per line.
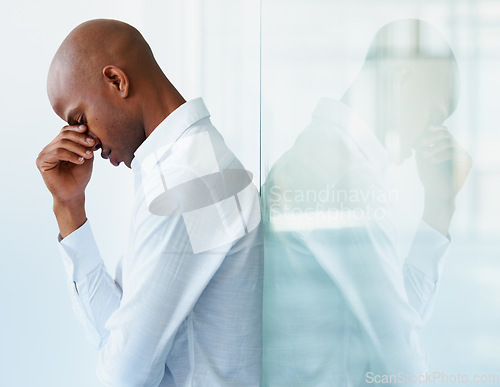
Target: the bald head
pixel 104 75
pixel 410 39
pixel 415 44
pixel 408 83
pixel 95 44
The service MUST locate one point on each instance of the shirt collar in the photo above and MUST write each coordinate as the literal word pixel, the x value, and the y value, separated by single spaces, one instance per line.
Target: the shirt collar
pixel 170 129
pixel 352 123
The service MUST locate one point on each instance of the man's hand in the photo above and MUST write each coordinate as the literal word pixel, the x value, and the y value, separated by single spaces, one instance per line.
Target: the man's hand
pixel 66 166
pixel 443 166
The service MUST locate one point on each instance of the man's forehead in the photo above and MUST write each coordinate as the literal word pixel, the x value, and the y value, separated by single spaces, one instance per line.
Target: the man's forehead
pixel 60 104
pixel 66 115
pixel 64 107
pixel 61 92
pixel 55 84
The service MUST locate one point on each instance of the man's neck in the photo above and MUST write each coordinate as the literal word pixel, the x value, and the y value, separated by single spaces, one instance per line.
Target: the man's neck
pixel 163 100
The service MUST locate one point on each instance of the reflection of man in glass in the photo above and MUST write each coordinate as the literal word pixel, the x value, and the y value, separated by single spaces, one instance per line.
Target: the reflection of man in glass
pixel 339 308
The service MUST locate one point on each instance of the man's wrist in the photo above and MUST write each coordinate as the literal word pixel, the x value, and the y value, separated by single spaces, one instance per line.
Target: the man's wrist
pixel 70 215
pixel 438 214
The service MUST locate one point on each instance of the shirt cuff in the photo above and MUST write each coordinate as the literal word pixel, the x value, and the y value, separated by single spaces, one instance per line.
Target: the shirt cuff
pixel 428 251
pixel 79 252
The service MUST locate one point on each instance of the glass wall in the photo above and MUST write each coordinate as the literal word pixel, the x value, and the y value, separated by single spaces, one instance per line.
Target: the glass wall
pixel 380 191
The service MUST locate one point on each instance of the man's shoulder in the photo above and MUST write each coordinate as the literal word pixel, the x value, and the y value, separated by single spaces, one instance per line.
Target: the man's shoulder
pixel 206 191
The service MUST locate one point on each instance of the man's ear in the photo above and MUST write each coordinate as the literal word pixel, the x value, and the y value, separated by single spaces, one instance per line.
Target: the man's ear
pixel 116 79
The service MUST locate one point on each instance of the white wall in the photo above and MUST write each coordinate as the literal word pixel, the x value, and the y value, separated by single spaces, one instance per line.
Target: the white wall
pixel 208 49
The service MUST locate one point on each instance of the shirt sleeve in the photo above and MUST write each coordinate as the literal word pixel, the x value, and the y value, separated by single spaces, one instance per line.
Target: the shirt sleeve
pixel 95 295
pixel 423 268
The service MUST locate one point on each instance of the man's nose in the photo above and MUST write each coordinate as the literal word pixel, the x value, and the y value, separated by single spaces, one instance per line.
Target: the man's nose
pixel 97 142
pixel 105 153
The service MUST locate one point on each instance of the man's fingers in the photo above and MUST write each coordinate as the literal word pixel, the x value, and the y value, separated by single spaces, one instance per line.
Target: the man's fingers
pixel 49 159
pixel 445 151
pixel 80 134
pixel 72 144
pixel 63 150
pixel 437 128
pixel 66 155
pixel 447 154
pixel 74 128
pixel 433 149
pixel 80 138
pixel 459 159
pixel 74 147
pixel 434 137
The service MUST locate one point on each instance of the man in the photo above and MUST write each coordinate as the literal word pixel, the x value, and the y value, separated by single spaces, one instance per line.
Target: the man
pixel 340 309
pixel 185 306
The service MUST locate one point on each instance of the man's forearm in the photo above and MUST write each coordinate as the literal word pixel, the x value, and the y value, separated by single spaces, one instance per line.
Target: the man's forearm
pixel 70 215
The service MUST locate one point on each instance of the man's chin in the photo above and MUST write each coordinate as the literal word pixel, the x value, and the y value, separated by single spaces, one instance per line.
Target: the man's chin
pixel 128 162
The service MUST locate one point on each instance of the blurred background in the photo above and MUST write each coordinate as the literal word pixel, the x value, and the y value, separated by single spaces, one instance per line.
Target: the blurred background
pixel 261 68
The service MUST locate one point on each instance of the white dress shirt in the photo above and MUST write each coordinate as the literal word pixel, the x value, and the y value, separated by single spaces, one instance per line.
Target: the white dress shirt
pixel 337 302
pixel 185 306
